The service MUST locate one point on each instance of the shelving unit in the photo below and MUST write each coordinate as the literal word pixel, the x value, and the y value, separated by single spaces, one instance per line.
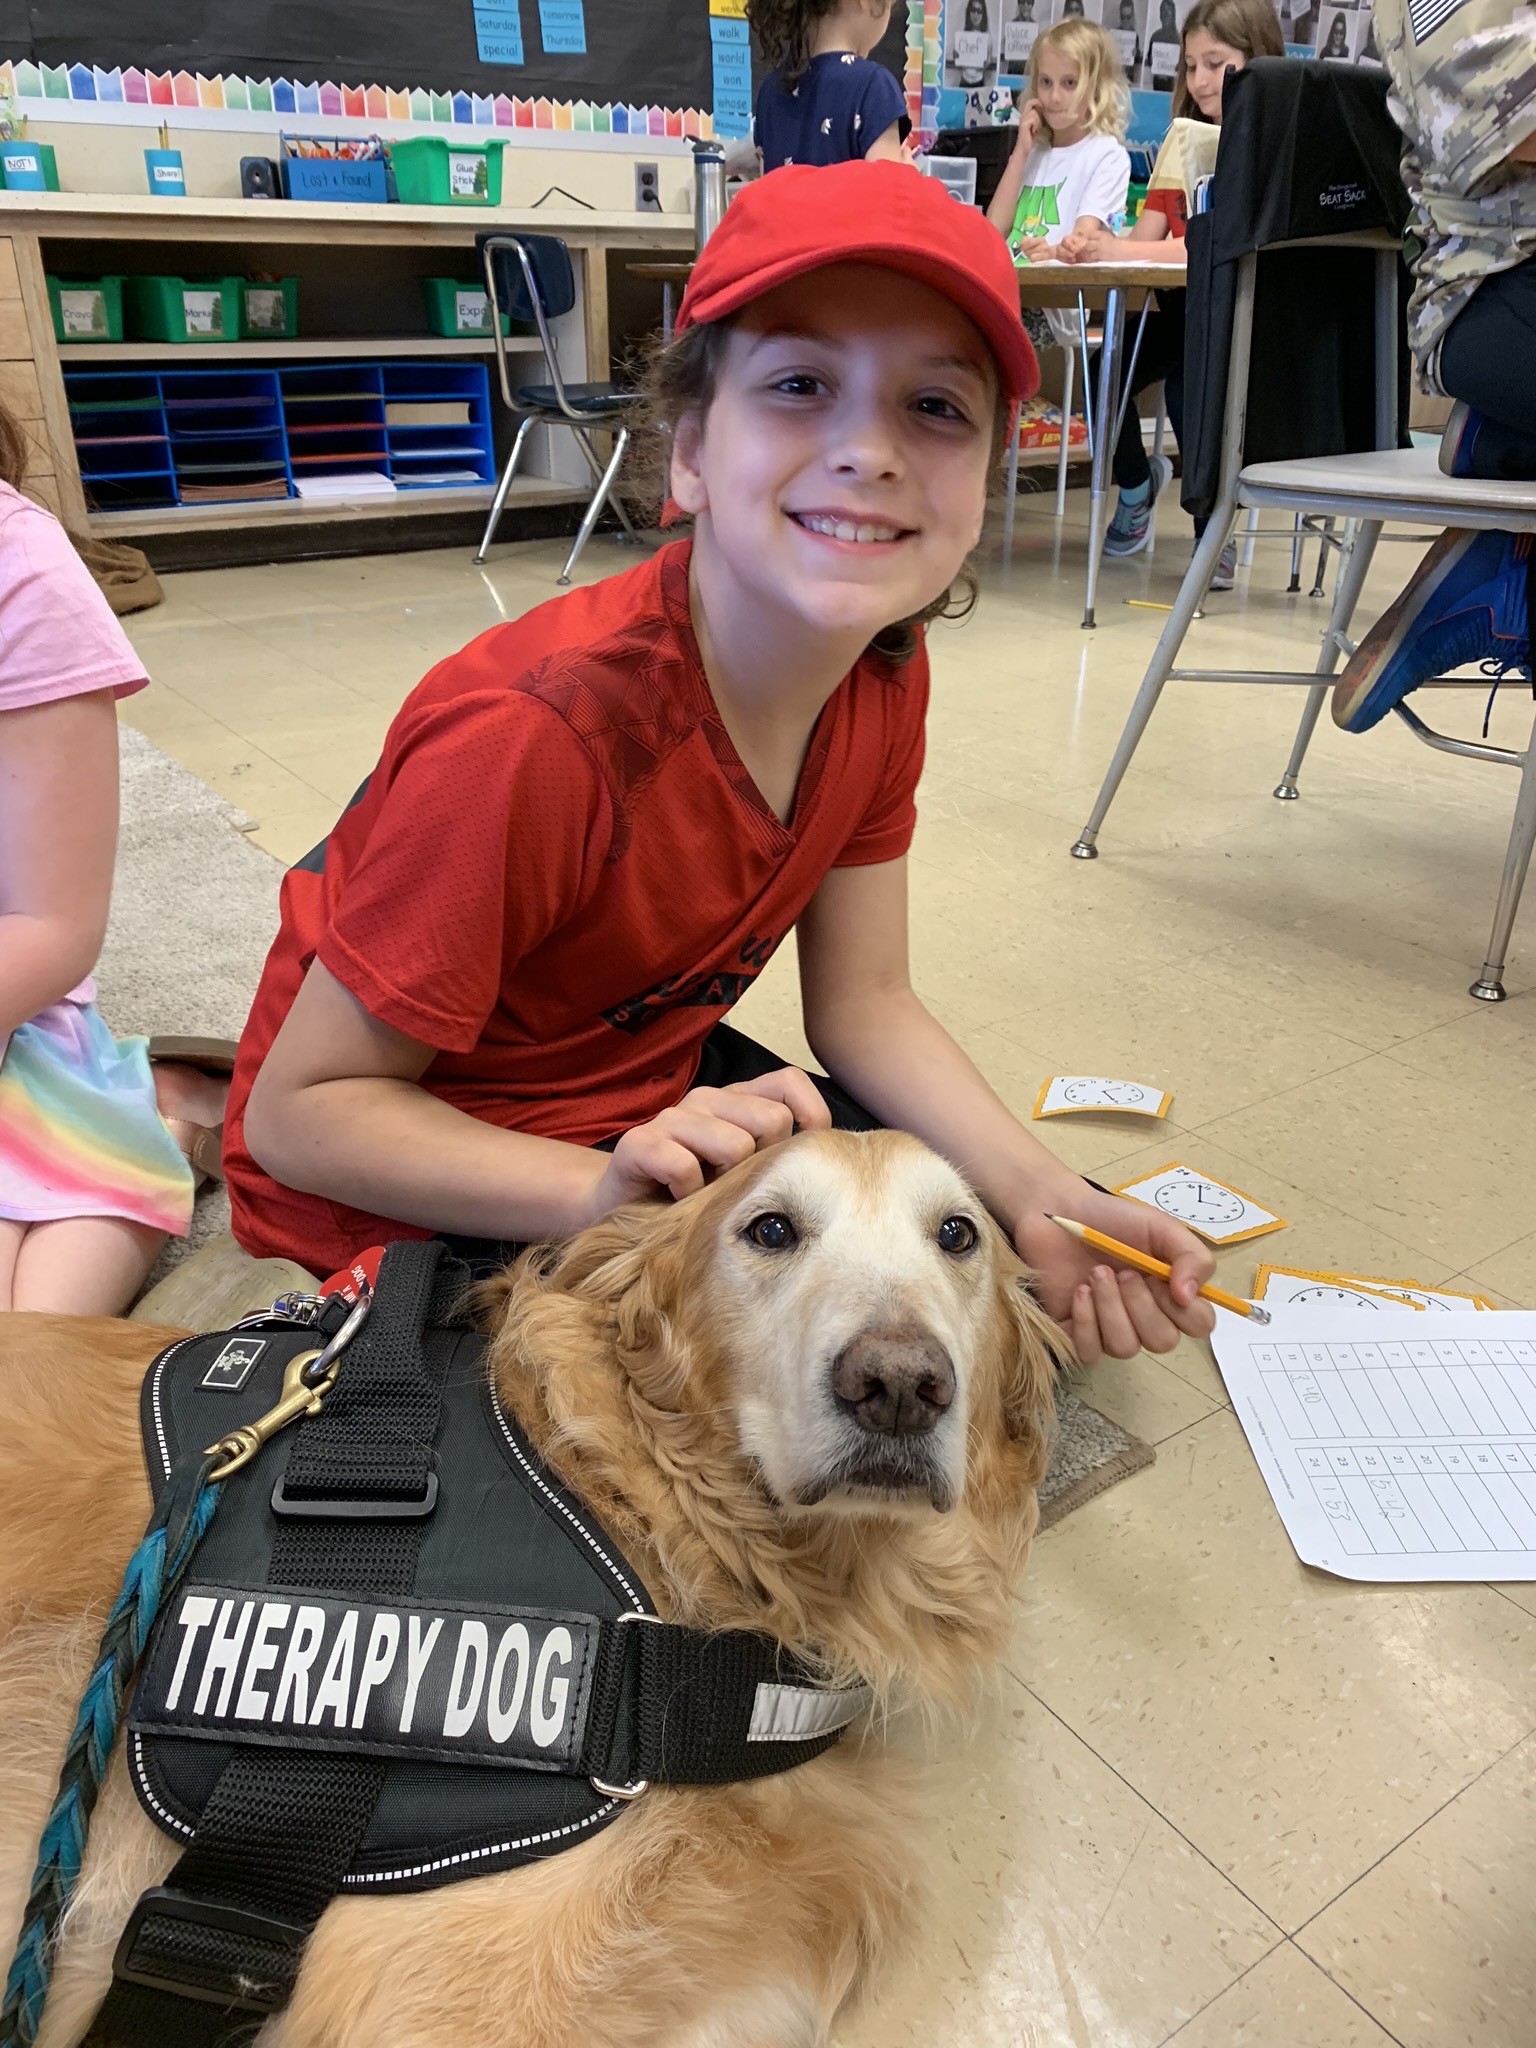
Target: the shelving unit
pixel 180 437
pixel 103 352
pixel 360 270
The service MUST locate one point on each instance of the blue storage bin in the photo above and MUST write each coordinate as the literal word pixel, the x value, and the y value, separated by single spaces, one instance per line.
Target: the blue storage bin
pixel 357 181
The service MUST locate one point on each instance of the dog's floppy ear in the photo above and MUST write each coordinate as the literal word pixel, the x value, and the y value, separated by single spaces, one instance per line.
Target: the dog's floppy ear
pixel 621 1281
pixel 1034 1352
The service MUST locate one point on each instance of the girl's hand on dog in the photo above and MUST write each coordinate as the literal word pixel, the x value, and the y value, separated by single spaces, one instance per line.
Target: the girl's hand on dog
pixel 1107 1310
pixel 711 1129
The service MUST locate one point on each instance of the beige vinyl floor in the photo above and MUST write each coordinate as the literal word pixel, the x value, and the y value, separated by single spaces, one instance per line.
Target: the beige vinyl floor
pixel 1222 1799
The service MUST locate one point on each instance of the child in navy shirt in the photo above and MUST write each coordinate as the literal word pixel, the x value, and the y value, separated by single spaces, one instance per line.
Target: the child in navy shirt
pixel 826 103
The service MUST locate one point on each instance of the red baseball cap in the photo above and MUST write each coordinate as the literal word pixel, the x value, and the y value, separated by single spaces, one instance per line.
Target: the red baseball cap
pixel 802 218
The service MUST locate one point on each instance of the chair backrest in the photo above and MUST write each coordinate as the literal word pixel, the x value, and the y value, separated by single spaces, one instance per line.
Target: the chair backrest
pixel 1309 155
pixel 529 279
pixel 549 260
pixel 1307 149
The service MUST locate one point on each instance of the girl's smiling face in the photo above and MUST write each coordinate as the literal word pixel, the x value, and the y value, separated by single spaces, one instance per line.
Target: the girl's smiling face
pixel 839 474
pixel 1206 64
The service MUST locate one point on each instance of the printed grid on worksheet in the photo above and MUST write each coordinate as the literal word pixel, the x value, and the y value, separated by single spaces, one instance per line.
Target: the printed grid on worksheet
pixel 1421 1447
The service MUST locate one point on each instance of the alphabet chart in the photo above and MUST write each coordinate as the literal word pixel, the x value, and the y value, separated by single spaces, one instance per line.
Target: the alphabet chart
pixel 1397 1446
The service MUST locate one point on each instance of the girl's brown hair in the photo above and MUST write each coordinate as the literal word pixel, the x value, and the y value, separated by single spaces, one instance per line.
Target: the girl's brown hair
pixel 783 29
pixel 1250 26
pixel 680 378
pixel 13 450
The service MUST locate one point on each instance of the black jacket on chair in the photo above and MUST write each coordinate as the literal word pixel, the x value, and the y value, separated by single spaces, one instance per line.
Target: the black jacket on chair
pixel 1307 149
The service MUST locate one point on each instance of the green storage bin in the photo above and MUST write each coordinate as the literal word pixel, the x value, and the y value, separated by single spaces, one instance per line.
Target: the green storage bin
pixel 456 308
pixel 86 308
pixel 432 172
pixel 269 309
pixel 183 308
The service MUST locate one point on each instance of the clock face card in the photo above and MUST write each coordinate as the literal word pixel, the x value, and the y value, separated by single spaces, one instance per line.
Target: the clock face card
pixel 1216 1212
pixel 1071 1094
pixel 1290 1285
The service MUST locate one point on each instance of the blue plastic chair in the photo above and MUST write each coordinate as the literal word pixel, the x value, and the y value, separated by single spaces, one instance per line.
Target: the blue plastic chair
pixel 529 278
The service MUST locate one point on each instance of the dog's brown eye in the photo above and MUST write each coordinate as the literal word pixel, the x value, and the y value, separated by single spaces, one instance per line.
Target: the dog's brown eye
pixel 957 1236
pixel 771 1233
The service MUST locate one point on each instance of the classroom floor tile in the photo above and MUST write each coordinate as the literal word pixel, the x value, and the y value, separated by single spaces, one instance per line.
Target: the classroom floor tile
pixel 1464 1974
pixel 1221 1799
pixel 1062 1908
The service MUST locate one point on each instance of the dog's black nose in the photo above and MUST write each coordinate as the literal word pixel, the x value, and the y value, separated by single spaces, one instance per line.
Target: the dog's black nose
pixel 893 1382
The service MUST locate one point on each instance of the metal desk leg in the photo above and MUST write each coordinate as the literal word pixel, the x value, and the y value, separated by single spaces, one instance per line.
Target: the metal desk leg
pixel 1489 985
pixel 666 309
pixel 1106 411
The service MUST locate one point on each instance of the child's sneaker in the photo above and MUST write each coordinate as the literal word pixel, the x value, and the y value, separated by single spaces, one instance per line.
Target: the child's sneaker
pixel 1459 439
pixel 1474 445
pixel 1466 601
pixel 1226 568
pixel 1128 530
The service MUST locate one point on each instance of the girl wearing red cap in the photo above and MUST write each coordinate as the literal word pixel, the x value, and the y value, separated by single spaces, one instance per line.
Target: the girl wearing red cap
pixel 494 1011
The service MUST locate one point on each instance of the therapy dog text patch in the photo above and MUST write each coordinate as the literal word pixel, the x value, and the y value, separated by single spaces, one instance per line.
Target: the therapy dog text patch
pixel 411 1678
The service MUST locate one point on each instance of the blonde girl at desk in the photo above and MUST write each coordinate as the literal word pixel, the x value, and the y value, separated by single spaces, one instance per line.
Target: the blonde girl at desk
pixel 1069 169
pixel 1219 36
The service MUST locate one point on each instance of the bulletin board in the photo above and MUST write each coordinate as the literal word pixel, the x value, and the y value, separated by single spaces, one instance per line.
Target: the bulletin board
pixel 650 52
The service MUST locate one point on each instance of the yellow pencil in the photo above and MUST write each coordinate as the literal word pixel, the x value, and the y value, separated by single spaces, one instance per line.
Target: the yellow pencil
pixel 1145 1263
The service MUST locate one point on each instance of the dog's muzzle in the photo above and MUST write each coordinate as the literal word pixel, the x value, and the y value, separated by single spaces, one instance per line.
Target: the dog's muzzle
pixel 893 1388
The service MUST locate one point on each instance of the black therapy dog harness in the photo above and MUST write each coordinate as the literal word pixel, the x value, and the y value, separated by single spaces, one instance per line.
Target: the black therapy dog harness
pixel 403 1654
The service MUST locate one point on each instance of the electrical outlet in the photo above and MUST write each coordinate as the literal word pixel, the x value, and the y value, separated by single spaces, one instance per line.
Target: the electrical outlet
pixel 647 188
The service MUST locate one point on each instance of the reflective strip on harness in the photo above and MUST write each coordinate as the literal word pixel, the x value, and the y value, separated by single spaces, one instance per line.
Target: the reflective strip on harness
pixel 795 1713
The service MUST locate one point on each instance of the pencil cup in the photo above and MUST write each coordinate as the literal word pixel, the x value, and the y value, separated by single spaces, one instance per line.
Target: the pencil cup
pixel 163 169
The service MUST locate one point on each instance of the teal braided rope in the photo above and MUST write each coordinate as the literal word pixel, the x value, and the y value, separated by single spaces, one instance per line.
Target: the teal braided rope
pixel 185 1508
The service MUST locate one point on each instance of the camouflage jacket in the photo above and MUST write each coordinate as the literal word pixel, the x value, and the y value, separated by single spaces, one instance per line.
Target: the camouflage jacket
pixel 1463 91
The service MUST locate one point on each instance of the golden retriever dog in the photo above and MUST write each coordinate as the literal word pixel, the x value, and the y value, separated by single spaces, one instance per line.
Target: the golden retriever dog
pixel 814 1399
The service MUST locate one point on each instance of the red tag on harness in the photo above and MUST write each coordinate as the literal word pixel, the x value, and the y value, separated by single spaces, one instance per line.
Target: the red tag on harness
pixel 351 1280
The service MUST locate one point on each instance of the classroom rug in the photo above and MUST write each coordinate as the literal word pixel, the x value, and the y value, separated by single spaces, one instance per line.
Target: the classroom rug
pixel 194 909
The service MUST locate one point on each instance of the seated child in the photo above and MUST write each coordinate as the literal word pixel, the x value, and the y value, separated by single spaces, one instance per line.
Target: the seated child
pixel 91 1180
pixel 1070 170
pixel 825 102
pixel 494 1008
pixel 1219 36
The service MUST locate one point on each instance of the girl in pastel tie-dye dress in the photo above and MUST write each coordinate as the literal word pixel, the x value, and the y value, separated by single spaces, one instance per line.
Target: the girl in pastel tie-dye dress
pixel 91 1179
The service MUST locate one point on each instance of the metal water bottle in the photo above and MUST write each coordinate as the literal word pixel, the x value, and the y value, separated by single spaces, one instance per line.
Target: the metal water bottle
pixel 708 191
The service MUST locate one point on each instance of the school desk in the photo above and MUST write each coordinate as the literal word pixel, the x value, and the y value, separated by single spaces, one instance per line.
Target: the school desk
pixel 1114 287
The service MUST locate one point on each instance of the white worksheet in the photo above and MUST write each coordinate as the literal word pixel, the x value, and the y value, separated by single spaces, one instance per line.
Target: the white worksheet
pixel 1405 1453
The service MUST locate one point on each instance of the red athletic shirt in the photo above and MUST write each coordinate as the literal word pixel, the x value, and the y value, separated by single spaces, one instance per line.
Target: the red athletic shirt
pixel 562 876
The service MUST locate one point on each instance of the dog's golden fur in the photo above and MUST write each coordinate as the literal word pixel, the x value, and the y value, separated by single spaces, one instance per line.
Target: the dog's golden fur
pixel 732 1917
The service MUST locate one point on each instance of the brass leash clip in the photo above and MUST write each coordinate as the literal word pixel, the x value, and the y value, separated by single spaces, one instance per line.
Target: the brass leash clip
pixel 307 1380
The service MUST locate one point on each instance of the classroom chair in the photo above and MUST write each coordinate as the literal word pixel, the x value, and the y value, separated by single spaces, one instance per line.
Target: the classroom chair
pixel 1380 480
pixel 529 278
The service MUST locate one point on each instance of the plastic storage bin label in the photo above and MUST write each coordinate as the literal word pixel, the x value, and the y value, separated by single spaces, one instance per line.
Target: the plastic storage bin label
pixel 266 309
pixel 203 312
pixel 18 165
pixel 83 313
pixel 471 313
pixel 467 175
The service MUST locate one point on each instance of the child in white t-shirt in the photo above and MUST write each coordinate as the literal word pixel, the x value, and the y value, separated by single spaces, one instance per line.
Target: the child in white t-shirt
pixel 1069 169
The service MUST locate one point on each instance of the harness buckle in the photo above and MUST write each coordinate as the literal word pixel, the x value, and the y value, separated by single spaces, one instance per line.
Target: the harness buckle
pixel 340 1509
pixel 634 1789
pixel 309 1377
pixel 241 1989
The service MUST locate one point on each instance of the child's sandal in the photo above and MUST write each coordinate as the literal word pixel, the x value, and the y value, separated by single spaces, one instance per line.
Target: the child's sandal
pixel 203 1144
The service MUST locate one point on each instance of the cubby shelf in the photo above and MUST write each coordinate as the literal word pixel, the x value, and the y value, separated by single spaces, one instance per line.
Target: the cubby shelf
pixel 200 435
pixel 351 346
